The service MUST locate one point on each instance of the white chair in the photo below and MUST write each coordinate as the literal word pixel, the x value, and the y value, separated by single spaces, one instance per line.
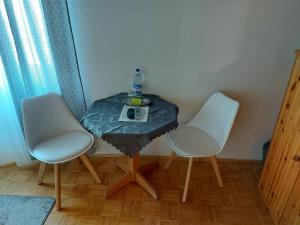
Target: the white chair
pixel 205 135
pixel 54 136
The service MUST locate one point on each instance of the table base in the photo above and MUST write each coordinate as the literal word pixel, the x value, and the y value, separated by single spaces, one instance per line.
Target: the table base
pixel 134 174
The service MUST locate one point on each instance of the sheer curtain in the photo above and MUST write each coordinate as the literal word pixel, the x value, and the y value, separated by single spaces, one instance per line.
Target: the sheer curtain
pixel 13 147
pixel 26 69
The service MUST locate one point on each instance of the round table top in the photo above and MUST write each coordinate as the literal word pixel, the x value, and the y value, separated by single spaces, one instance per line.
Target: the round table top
pixel 102 119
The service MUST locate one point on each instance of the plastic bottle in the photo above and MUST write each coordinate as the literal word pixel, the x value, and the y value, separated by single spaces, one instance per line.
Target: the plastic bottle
pixel 138 82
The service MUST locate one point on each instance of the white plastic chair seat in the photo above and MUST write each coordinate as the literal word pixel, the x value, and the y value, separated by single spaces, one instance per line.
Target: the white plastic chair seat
pixel 188 141
pixel 63 148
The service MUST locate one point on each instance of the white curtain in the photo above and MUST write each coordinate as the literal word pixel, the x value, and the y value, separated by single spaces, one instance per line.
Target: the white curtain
pixel 26 69
pixel 12 142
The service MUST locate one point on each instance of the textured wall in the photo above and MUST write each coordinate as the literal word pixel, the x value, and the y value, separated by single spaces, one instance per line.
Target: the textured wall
pixel 189 49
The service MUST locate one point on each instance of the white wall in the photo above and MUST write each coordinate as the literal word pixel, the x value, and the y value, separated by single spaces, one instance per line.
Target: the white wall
pixel 189 49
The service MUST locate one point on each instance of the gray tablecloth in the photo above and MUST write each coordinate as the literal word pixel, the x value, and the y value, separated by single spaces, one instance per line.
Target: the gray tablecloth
pixel 102 119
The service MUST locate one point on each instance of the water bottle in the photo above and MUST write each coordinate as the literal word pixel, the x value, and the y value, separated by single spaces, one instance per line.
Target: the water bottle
pixel 138 82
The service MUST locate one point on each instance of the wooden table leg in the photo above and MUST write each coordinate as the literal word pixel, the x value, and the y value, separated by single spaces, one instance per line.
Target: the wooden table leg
pixel 141 180
pixel 134 174
pixel 148 167
pixel 134 164
pixel 125 180
pixel 123 167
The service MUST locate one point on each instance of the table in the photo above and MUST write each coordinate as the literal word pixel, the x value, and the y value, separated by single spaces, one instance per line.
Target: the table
pixel 102 119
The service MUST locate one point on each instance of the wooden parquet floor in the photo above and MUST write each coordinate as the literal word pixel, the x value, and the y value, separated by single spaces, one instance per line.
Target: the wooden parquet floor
pixel 84 203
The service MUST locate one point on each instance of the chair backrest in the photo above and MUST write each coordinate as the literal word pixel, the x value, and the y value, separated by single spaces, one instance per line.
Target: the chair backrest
pixel 216 117
pixel 46 116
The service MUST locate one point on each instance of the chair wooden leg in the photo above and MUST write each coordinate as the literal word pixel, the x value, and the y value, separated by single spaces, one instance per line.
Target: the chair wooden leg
pixel 215 165
pixel 41 172
pixel 170 160
pixel 187 181
pixel 89 166
pixel 57 186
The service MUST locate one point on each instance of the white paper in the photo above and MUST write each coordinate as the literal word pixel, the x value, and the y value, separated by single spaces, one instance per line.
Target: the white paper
pixel 144 114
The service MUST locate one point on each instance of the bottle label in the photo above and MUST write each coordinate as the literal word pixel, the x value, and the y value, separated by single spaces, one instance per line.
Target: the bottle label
pixel 137 86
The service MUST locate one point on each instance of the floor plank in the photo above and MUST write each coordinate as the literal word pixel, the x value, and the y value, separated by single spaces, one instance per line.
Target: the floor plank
pixel 83 200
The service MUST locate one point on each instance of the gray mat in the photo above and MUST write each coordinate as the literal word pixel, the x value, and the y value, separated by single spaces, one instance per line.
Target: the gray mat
pixel 24 210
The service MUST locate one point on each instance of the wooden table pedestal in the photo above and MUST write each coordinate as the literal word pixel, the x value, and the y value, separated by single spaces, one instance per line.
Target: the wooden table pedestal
pixel 134 174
